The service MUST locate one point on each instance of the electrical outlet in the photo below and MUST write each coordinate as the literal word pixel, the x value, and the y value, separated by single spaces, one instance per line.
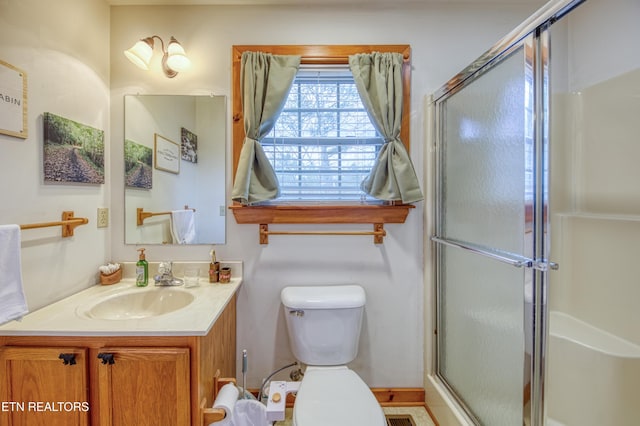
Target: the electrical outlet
pixel 103 217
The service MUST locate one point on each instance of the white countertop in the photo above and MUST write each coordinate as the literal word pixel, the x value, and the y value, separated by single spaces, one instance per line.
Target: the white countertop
pixel 65 318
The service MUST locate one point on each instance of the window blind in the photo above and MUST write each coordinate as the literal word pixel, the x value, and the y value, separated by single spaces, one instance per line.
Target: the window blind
pixel 323 143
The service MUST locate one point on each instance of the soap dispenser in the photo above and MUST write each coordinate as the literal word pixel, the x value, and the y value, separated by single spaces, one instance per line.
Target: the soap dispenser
pixel 142 270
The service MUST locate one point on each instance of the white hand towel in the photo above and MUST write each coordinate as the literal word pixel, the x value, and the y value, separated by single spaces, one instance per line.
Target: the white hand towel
pixel 12 301
pixel 249 412
pixel 183 226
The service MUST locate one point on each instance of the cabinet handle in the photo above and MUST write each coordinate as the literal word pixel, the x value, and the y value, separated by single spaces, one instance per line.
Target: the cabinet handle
pixel 107 358
pixel 68 359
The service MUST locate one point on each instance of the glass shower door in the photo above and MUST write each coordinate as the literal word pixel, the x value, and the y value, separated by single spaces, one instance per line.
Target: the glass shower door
pixel 484 238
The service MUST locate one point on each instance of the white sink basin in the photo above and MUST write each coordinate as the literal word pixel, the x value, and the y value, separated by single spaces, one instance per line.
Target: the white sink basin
pixel 138 303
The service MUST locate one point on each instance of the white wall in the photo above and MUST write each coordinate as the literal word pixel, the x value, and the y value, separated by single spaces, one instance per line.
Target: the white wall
pixel 63 47
pixel 609 28
pixel 444 40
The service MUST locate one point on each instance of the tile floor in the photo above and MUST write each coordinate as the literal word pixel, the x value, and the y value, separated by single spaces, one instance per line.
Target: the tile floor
pixel 419 414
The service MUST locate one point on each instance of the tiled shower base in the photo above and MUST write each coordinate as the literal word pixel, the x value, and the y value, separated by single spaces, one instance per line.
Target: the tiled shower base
pixel 419 414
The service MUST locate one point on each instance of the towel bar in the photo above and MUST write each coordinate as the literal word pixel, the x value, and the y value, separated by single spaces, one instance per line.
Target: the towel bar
pixel 378 233
pixel 141 215
pixel 68 223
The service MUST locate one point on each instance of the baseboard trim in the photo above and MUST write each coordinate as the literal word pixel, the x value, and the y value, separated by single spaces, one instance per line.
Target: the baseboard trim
pixel 399 397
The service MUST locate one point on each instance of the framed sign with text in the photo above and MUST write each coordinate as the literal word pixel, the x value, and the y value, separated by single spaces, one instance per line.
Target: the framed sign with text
pixel 13 101
pixel 167 155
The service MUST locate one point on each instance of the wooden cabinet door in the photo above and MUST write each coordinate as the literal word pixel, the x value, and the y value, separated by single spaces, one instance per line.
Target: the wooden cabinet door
pixel 43 386
pixel 143 386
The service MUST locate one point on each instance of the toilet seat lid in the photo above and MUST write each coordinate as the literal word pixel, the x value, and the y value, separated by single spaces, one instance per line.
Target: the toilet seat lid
pixel 336 396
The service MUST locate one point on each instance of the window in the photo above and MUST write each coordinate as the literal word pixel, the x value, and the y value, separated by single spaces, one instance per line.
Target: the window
pixel 323 143
pixel 326 208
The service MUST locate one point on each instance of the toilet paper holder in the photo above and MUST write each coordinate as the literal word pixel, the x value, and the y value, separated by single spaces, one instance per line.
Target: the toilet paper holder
pixel 208 414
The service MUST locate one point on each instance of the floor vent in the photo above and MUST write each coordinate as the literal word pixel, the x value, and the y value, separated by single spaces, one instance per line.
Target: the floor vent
pixel 399 420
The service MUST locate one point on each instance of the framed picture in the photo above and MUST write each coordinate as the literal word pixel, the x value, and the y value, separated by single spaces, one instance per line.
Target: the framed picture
pixel 189 146
pixel 13 94
pixel 137 165
pixel 73 152
pixel 167 154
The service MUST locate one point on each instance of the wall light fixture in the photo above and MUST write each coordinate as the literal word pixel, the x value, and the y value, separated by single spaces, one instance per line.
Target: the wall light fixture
pixel 174 59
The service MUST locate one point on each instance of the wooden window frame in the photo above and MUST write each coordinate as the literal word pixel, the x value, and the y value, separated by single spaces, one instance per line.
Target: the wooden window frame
pixel 319 212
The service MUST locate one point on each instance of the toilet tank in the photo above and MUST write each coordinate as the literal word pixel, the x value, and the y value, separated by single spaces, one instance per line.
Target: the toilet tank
pixel 324 322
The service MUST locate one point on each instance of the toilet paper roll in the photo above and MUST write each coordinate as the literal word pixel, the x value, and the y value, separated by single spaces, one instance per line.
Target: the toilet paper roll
pixel 226 400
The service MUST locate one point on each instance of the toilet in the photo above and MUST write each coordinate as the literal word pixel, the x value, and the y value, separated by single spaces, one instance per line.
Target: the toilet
pixel 324 324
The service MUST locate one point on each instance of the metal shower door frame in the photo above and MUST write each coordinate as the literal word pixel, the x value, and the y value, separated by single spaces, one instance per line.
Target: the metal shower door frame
pixel 533 34
pixel 526 260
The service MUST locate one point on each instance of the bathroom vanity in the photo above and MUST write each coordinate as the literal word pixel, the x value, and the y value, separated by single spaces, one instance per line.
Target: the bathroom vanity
pixel 61 366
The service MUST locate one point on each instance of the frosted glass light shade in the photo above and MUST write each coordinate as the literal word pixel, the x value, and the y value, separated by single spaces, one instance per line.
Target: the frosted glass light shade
pixel 177 59
pixel 174 59
pixel 141 52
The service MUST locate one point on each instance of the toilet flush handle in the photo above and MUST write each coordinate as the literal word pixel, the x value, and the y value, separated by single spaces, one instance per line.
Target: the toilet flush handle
pixel 297 312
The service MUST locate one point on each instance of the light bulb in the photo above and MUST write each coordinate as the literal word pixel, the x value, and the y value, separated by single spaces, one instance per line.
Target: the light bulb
pixel 177 58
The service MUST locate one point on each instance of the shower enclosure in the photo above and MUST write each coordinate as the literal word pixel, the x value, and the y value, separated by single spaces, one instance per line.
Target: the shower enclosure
pixel 537 223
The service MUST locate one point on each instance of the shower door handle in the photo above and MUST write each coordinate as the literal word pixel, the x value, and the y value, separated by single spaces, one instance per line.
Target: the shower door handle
pixel 501 256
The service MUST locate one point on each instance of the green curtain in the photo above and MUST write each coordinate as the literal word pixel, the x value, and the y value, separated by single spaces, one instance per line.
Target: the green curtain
pixel 265 81
pixel 378 77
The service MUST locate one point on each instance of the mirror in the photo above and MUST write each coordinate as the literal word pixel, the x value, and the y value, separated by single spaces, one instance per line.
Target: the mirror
pixel 174 156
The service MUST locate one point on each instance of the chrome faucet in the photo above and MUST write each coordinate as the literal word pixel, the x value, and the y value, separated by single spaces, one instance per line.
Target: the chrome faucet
pixel 165 276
